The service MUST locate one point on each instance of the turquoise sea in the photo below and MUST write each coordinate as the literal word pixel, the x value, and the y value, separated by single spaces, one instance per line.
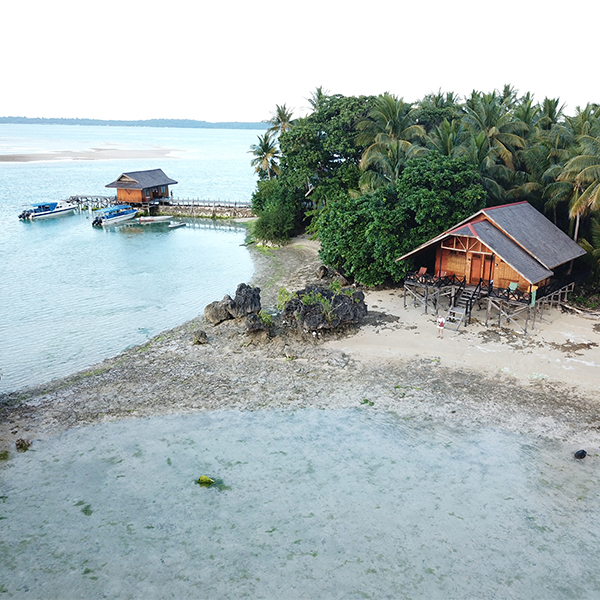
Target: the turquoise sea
pixel 329 504
pixel 72 295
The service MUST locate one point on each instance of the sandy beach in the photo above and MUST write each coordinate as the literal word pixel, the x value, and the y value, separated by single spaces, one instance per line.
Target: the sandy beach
pixel 545 384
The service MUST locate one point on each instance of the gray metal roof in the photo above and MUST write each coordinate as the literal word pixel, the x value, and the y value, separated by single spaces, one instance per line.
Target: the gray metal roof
pixel 531 230
pixel 511 253
pixel 141 180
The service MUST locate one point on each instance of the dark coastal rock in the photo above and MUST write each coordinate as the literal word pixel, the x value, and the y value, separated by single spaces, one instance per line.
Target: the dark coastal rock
pixel 246 301
pixel 199 337
pixel 22 444
pixel 219 311
pixel 322 272
pixel 580 454
pixel 255 323
pixel 318 308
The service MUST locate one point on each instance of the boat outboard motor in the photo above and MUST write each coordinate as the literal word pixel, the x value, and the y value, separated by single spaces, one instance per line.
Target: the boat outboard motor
pixel 25 214
pixel 97 222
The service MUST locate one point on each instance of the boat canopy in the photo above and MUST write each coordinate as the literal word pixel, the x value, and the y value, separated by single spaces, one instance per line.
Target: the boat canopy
pixel 47 205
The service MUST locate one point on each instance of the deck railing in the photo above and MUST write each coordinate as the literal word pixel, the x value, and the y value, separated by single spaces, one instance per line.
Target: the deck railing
pixel 434 280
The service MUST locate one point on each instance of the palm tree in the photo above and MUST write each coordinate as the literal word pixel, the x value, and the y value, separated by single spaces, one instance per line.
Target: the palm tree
pixel 317 98
pixel 488 114
pixel 492 173
pixel 583 173
pixel 385 163
pixel 448 138
pixel 281 119
pixel 266 154
pixel 593 248
pixel 387 131
pixel 390 119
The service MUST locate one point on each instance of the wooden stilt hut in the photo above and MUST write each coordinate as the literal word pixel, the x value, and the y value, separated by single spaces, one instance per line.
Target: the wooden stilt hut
pixel 142 187
pixel 507 254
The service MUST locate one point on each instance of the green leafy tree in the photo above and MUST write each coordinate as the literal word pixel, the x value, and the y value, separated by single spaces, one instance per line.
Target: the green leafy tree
pixel 363 235
pixel 433 109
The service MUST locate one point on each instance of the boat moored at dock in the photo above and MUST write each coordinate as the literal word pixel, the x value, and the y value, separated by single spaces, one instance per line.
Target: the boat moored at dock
pixel 114 214
pixel 44 210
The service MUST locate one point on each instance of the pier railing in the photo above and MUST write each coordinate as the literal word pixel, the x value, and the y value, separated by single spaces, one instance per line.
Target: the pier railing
pixel 200 203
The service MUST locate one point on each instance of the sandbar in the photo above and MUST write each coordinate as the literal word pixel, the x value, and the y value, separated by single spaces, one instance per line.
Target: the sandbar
pixel 90 154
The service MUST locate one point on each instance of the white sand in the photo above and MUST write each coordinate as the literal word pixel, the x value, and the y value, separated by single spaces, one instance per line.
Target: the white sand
pixel 562 349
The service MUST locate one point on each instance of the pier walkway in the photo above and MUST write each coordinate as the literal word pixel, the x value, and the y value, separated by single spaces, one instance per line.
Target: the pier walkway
pixel 191 207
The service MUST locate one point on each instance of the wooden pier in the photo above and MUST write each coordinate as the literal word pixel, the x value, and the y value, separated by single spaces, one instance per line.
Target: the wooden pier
pixel 88 201
pixel 183 207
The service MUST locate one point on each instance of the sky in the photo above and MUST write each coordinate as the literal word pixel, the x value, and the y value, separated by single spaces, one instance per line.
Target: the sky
pixel 227 60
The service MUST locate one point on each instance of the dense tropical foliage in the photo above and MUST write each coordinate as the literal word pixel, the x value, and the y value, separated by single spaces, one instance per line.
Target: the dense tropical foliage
pixel 374 176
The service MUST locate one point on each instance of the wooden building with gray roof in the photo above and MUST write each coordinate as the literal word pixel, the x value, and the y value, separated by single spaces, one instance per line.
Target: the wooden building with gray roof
pixel 142 187
pixel 508 253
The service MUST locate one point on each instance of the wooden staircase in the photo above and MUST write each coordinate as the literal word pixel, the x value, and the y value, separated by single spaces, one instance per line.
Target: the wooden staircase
pixel 462 309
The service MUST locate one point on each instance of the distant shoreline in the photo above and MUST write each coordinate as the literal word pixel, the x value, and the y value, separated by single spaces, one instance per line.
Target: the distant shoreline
pixel 178 123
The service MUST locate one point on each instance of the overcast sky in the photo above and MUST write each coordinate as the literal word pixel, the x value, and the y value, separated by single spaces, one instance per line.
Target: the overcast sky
pixel 235 60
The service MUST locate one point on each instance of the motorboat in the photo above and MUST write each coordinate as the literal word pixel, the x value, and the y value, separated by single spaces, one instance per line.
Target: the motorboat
pixel 154 219
pixel 113 214
pixel 43 210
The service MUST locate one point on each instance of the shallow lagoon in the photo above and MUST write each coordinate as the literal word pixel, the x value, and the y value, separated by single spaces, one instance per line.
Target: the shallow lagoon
pixel 72 295
pixel 323 504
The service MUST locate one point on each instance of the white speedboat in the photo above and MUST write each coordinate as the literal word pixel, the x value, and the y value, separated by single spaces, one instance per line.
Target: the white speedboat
pixel 154 219
pixel 113 214
pixel 43 210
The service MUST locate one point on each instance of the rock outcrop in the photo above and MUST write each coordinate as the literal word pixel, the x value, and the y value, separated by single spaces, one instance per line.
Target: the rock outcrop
pixel 246 302
pixel 219 311
pixel 317 308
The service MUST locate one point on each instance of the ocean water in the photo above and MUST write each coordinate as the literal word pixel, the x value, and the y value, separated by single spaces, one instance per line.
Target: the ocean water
pixel 72 295
pixel 348 504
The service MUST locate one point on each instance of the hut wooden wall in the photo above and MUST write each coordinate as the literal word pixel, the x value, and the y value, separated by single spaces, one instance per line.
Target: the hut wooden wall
pixel 129 196
pixel 470 259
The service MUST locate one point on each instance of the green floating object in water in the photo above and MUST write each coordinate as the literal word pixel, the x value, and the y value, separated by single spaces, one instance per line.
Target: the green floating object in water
pixel 205 480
